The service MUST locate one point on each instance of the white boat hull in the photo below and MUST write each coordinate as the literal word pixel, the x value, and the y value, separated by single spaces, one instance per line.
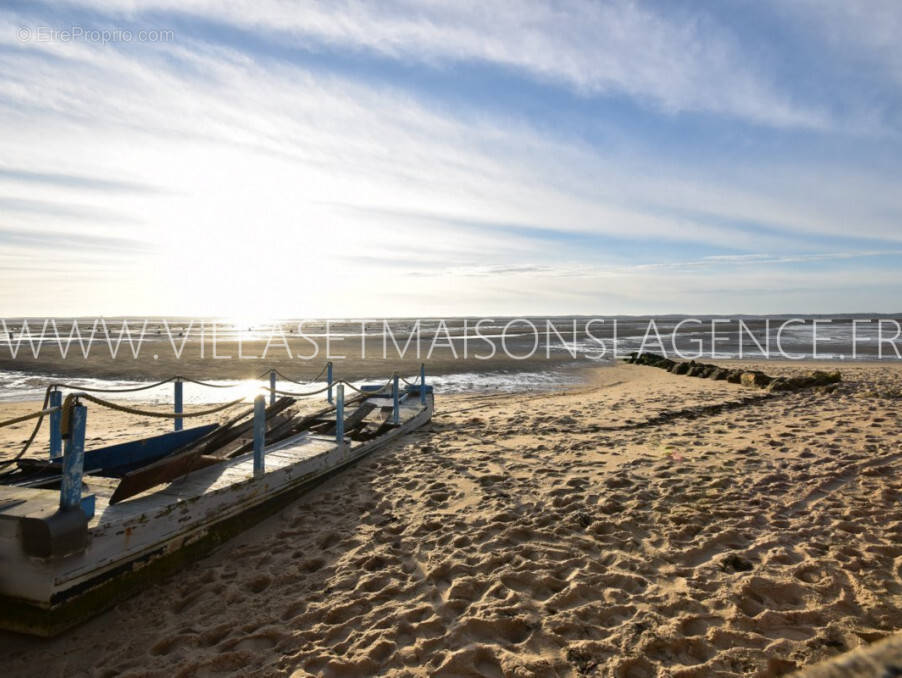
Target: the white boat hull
pixel 155 533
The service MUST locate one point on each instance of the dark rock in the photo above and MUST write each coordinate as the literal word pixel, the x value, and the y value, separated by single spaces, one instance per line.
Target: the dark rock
pixel 811 380
pixel 757 379
pixel 645 358
pixel 654 360
pixel 825 378
pixel 680 368
pixel 780 384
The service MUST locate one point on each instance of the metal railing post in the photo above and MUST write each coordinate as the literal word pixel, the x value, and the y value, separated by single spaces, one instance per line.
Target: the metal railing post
pixel 340 414
pixel 272 387
pixel 396 404
pixel 178 404
pixel 56 438
pixel 74 460
pixel 422 383
pixel 329 379
pixel 259 435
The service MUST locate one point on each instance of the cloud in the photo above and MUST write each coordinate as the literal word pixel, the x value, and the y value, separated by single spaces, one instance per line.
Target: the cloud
pixel 74 181
pixel 868 32
pixel 249 171
pixel 66 241
pixel 67 210
pixel 797 258
pixel 749 260
pixel 672 60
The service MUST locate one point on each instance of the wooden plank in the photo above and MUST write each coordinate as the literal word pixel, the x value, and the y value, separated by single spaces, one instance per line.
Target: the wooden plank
pixel 301 423
pixel 176 465
pixel 352 421
pixel 236 429
pixel 276 427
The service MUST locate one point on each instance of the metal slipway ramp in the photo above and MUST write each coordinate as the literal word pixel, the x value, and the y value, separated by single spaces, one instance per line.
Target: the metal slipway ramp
pixel 82 530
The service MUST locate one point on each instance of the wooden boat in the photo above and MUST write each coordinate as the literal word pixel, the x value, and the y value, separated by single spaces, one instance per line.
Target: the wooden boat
pixel 150 506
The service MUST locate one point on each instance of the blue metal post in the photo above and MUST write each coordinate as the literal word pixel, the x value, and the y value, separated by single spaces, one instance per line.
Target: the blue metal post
pixel 329 379
pixel 178 403
pixel 396 402
pixel 56 438
pixel 74 460
pixel 340 414
pixel 259 434
pixel 272 387
pixel 422 383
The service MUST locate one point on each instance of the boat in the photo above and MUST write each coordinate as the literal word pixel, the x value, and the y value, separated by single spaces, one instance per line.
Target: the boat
pixel 84 530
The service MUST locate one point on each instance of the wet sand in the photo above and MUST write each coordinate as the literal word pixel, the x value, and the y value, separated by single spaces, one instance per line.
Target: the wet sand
pixel 646 525
pixel 231 361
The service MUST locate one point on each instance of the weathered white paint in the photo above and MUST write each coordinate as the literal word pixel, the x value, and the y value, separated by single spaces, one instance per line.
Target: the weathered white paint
pixel 168 518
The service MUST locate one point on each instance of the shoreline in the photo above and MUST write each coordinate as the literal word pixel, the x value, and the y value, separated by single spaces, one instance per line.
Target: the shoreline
pixel 356 367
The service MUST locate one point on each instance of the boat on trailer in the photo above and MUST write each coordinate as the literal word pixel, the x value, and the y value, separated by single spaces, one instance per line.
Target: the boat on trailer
pixel 84 530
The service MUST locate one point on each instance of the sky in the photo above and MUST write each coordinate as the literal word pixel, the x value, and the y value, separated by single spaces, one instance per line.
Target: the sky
pixel 362 159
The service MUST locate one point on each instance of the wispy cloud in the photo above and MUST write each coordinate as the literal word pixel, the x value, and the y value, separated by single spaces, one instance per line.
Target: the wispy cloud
pixel 286 146
pixel 797 258
pixel 66 241
pixel 60 209
pixel 74 181
pixel 672 59
pixel 757 260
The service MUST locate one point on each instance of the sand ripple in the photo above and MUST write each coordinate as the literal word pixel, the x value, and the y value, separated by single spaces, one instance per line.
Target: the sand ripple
pixel 527 538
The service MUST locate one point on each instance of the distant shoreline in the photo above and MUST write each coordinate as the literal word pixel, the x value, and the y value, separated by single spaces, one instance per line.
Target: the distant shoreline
pixel 351 367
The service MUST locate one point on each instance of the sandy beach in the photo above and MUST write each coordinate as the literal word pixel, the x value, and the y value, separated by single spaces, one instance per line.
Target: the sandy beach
pixel 645 525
